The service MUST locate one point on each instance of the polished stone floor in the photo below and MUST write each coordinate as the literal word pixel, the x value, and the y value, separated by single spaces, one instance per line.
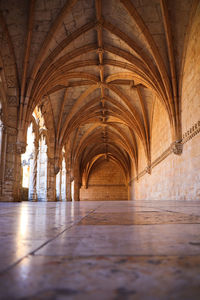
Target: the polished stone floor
pixel 117 250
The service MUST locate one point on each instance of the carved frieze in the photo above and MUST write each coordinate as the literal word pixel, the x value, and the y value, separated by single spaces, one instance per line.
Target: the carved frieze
pixel 20 147
pixel 11 130
pixel 10 148
pixel 9 174
pixel 11 81
pixel 193 131
pixel 177 147
pixel 12 101
pixel 11 119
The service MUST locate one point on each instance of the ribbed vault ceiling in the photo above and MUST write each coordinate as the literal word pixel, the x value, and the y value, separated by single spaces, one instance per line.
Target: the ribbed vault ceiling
pixel 96 68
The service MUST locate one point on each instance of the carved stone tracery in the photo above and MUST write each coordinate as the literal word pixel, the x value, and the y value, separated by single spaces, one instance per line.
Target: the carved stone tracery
pixel 21 147
pixel 177 147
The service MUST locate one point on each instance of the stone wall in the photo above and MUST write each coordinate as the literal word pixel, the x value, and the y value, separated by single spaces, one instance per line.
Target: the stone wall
pixel 190 89
pixel 160 131
pixel 106 182
pixel 175 177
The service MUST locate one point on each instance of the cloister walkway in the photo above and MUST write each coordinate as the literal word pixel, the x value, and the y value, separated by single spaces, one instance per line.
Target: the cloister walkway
pixel 100 250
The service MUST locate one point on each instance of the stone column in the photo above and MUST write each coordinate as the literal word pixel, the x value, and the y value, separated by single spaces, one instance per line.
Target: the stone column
pixel 60 186
pixel 77 184
pixel 76 190
pixel 33 174
pixel 20 149
pixel 51 180
pixel 3 141
pixel 11 159
pixel 68 186
pixel 131 190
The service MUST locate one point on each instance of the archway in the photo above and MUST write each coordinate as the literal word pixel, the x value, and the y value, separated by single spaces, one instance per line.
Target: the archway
pixel 42 170
pixel 106 182
pixel 28 166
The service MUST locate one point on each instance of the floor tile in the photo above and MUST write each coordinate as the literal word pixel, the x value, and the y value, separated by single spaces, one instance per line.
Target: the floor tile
pixel 139 218
pixel 110 250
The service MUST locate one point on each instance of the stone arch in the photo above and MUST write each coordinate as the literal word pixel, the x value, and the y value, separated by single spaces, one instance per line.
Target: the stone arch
pixel 28 165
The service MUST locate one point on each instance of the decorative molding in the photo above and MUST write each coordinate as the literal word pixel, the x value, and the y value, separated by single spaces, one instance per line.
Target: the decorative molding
pixel 11 130
pixel 9 175
pixel 11 83
pixel 12 101
pixel 192 132
pixel 177 147
pixel 160 158
pixel 10 148
pixel 140 175
pixel 20 147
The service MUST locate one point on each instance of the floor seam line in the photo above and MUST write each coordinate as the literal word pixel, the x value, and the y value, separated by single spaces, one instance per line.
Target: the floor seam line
pixel 32 253
pixel 120 255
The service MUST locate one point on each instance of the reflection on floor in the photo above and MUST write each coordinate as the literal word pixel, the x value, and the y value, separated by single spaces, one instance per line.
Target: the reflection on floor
pixel 100 250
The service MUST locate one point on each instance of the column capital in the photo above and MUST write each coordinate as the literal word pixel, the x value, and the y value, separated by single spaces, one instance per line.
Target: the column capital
pixel 177 147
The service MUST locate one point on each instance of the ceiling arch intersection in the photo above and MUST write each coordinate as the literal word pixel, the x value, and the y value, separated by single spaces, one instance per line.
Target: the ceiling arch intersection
pixel 97 74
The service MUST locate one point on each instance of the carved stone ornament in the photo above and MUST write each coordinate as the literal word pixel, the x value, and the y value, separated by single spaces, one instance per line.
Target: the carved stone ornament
pixel 12 101
pixel 11 81
pixel 9 175
pixel 11 130
pixel 10 148
pixel 99 24
pixel 20 147
pixel 148 169
pixel 177 147
pixel 100 51
pixel 192 132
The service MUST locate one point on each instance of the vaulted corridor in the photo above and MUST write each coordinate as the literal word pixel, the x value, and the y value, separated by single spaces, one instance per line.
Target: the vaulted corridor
pixel 100 149
pixel 100 250
pixel 99 100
